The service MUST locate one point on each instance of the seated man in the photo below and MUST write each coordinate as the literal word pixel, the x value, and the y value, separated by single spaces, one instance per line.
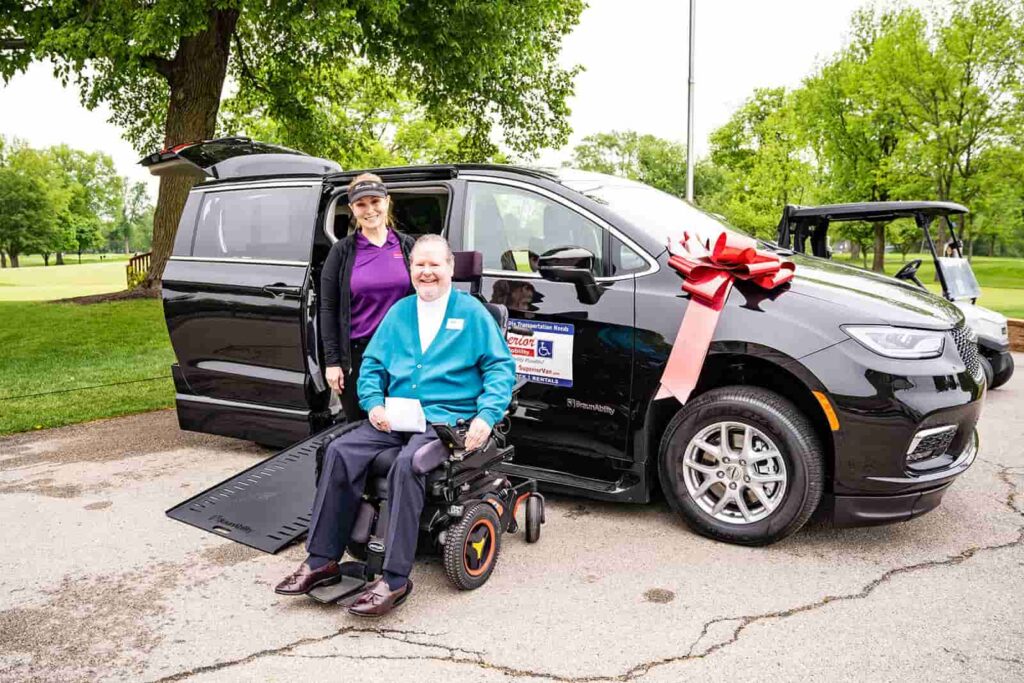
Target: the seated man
pixel 443 348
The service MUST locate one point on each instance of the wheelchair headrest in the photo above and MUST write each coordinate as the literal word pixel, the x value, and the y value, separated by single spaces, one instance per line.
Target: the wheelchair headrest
pixel 469 266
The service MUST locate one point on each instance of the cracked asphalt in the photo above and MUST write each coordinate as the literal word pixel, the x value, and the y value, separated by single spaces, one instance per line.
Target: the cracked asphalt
pixel 97 584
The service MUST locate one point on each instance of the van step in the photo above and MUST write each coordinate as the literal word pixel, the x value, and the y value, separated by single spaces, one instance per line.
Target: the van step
pixel 265 507
pixel 546 476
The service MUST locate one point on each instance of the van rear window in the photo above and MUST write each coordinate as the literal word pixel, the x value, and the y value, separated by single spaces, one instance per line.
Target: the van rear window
pixel 267 223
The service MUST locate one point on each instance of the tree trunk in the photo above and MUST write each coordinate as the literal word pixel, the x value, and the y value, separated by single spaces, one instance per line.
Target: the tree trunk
pixel 46 258
pixel 126 250
pixel 878 264
pixel 60 258
pixel 14 259
pixel 854 250
pixel 196 79
pixel 3 259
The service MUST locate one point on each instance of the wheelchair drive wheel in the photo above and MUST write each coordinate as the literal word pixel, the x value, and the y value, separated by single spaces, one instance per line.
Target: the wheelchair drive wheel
pixel 534 517
pixel 472 546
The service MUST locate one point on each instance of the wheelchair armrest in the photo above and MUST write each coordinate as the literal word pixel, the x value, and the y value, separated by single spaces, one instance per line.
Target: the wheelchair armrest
pixel 429 457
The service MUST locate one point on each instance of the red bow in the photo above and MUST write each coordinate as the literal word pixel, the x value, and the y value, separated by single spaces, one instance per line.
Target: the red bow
pixel 709 275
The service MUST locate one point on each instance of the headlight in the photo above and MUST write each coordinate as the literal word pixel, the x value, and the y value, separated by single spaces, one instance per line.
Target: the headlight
pixel 989 328
pixel 898 342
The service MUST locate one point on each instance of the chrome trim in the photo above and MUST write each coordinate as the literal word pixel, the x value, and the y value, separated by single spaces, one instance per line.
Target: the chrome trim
pixel 965 460
pixel 925 433
pixel 239 404
pixel 652 263
pixel 238 259
pixel 259 184
pixel 273 374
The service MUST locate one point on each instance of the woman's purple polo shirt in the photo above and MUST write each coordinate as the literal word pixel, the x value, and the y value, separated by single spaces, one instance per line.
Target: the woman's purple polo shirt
pixel 379 279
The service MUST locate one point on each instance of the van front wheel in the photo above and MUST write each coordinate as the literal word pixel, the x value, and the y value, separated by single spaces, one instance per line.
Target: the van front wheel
pixel 742 464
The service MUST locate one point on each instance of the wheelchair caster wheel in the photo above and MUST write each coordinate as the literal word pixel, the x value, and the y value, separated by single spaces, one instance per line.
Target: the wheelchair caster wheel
pixel 472 546
pixel 534 518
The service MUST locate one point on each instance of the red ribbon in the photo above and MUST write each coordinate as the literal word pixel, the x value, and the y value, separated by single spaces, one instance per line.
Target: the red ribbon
pixel 708 277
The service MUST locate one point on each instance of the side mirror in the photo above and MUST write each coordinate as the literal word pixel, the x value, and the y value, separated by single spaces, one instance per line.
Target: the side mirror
pixel 574 265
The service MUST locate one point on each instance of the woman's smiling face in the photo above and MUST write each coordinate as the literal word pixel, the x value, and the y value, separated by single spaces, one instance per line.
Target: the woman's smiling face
pixel 371 213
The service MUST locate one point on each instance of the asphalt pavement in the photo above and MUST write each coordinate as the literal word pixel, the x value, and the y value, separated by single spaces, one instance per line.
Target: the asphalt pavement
pixel 97 584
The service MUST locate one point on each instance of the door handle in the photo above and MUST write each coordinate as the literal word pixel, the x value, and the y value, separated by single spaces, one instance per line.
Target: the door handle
pixel 282 290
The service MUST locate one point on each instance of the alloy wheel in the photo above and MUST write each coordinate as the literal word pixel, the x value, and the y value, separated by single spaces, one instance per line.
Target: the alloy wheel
pixel 734 473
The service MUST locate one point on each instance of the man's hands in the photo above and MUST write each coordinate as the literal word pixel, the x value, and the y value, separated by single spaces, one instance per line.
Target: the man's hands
pixel 379 419
pixel 477 434
pixel 335 378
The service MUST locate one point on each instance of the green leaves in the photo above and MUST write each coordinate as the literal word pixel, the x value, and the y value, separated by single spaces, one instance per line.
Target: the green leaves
pixel 912 107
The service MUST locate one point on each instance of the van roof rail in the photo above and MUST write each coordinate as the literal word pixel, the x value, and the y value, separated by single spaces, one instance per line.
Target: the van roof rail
pixel 437 172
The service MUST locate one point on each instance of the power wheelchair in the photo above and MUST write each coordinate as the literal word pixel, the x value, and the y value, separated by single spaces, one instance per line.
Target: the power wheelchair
pixel 469 506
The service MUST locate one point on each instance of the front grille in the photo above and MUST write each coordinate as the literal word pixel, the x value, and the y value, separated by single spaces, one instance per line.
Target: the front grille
pixel 931 443
pixel 967 346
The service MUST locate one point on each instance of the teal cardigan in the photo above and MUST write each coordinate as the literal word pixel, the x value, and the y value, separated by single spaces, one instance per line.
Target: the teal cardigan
pixel 466 372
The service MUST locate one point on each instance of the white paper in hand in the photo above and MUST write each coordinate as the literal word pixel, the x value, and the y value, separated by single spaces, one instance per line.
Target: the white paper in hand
pixel 405 414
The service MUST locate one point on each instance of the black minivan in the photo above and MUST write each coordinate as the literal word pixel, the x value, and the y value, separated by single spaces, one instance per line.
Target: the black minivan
pixel 842 391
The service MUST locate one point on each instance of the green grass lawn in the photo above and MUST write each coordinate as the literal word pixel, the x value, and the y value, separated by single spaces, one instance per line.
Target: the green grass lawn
pixel 61 282
pixel 35 260
pixel 1001 279
pixel 68 348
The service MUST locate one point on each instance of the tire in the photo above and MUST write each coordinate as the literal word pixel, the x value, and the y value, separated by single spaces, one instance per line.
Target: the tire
pixel 783 460
pixel 472 547
pixel 534 518
pixel 1004 375
pixel 990 374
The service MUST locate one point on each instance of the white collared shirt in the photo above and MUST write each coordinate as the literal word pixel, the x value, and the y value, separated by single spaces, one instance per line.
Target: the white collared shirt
pixel 431 315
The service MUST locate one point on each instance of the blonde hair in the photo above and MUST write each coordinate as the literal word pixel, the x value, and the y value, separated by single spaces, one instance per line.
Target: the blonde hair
pixel 389 219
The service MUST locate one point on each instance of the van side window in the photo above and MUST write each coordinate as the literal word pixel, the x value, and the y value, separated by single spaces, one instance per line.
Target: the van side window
pixel 624 260
pixel 187 226
pixel 275 223
pixel 513 228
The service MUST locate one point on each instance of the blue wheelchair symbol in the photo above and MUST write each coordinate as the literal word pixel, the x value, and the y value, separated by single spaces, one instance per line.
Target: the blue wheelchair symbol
pixel 545 348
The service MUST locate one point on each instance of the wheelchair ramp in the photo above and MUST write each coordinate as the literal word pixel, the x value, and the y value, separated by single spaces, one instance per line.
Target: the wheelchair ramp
pixel 265 507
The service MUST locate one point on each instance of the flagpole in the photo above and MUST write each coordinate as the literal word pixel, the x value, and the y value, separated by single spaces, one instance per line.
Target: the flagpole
pixel 689 112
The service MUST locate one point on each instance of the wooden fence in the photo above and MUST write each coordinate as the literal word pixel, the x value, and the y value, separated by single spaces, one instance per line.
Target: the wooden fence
pixel 137 268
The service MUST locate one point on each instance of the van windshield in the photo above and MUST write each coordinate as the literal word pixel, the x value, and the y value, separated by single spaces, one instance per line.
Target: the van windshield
pixel 661 215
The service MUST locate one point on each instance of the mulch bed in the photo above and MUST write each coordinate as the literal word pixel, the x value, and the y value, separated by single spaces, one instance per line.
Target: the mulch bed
pixel 123 295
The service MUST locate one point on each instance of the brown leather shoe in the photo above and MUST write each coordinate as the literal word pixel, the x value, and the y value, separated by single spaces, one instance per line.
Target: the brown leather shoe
pixel 378 599
pixel 304 579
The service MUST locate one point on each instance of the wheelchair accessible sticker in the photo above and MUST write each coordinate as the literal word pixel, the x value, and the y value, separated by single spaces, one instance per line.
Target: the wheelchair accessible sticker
pixel 546 357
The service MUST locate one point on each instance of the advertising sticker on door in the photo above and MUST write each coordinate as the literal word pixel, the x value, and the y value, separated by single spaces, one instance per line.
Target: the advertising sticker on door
pixel 545 357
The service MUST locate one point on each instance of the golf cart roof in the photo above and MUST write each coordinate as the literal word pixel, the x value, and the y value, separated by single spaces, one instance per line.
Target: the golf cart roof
pixel 875 211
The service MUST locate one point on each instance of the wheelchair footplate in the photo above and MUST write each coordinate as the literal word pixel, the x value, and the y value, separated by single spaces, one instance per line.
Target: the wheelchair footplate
pixel 353 581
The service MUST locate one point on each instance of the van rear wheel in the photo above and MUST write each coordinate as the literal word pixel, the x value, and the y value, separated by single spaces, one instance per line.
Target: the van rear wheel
pixel 742 464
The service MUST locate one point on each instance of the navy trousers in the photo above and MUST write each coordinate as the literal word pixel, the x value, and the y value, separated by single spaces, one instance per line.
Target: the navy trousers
pixel 342 481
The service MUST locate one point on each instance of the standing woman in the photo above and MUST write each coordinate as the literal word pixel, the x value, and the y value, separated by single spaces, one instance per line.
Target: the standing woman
pixel 365 273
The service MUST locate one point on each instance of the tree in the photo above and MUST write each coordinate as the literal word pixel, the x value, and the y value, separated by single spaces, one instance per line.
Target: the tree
pixel 646 158
pixel 161 66
pixel 93 190
pixel 29 204
pixel 367 121
pixel 764 161
pixel 958 85
pixel 134 217
pixel 852 120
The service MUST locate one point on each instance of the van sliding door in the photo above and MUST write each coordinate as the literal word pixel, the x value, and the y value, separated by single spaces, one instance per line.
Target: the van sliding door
pixel 236 298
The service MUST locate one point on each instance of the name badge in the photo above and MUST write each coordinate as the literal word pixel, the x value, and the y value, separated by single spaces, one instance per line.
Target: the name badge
pixel 455 324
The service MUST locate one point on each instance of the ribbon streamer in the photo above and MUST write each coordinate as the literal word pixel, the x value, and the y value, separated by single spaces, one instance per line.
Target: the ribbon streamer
pixel 708 276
